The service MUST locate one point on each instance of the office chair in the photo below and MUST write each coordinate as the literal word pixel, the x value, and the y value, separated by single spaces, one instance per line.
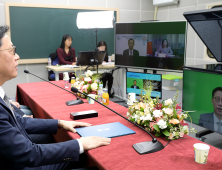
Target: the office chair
pixel 54 61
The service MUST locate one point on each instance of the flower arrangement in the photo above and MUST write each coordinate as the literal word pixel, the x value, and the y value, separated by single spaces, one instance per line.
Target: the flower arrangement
pixel 162 118
pixel 87 84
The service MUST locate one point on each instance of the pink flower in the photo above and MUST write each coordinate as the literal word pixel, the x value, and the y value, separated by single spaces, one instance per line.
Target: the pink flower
pixel 181 134
pixel 178 106
pixel 84 88
pixel 183 123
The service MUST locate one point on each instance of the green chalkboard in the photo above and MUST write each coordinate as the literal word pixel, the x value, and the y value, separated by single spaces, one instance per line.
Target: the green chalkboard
pixel 37 32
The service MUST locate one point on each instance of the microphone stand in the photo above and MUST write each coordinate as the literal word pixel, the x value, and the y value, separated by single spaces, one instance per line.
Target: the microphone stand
pixel 141 148
pixel 68 103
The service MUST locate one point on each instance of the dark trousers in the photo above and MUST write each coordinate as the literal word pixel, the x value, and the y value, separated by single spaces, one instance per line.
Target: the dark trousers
pixel 107 77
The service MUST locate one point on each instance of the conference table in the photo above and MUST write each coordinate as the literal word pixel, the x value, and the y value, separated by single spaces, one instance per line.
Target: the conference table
pixel 48 102
pixel 61 69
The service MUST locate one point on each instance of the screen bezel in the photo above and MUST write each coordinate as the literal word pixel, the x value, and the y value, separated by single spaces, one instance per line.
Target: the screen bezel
pixel 146 73
pixel 149 68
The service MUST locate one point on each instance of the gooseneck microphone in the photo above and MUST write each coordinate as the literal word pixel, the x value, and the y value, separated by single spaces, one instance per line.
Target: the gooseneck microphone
pixel 68 103
pixel 141 148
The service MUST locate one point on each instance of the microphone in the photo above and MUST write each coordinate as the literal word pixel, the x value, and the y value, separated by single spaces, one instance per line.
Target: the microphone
pixel 68 103
pixel 141 148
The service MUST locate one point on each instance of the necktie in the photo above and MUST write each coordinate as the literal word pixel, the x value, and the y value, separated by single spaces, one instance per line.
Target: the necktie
pixel 219 126
pixel 7 102
pixel 131 53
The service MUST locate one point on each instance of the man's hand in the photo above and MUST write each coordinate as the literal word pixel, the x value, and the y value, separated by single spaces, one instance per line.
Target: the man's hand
pixel 15 104
pixel 94 142
pixel 69 125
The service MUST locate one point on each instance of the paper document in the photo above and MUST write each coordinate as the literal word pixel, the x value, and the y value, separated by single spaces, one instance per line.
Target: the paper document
pixel 69 66
pixel 111 63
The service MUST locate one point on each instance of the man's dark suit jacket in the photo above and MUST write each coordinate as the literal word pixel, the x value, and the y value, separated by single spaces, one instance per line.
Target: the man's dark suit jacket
pixel 207 120
pixel 126 52
pixel 17 152
pixel 136 87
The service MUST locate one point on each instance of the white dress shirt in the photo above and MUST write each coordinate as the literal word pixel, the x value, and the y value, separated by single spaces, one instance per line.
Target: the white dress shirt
pixel 130 52
pixel 81 150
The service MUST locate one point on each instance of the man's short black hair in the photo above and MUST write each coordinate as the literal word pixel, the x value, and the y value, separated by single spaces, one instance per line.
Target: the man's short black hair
pixel 3 30
pixel 134 80
pixel 131 39
pixel 215 90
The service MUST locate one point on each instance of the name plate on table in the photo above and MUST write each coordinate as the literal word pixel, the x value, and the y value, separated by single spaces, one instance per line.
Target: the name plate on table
pixel 109 130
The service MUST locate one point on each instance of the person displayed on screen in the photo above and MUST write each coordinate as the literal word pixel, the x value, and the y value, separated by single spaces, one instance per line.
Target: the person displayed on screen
pixel 164 48
pixel 134 85
pixel 130 51
pixel 106 77
pixel 66 54
pixel 213 121
pixel 17 151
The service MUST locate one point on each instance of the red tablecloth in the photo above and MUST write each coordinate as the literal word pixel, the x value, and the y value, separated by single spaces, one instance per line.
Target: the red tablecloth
pixel 48 101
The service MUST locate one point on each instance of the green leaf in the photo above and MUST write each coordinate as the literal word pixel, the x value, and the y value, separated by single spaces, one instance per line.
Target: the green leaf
pixel 142 109
pixel 157 134
pixel 133 119
pixel 166 133
pixel 174 114
pixel 147 123
pixel 156 127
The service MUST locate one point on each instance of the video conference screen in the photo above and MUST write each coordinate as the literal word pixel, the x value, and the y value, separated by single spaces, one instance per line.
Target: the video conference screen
pixel 136 83
pixel 202 93
pixel 154 45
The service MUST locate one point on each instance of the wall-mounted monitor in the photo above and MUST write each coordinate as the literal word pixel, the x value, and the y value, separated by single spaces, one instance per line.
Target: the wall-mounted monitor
pixel 136 81
pixel 151 45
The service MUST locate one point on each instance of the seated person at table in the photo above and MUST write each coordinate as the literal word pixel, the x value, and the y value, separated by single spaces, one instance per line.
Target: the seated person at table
pixel 16 149
pixel 213 120
pixel 106 77
pixel 164 48
pixel 25 111
pixel 66 54
pixel 131 51
pixel 134 86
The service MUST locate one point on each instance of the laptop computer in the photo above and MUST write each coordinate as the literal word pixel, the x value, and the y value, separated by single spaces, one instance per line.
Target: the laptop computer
pixel 109 130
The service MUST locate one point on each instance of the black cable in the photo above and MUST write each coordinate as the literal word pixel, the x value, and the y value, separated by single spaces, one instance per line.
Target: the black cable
pixel 167 143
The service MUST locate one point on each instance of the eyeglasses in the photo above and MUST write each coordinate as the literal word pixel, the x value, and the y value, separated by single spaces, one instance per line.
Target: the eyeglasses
pixel 13 48
pixel 217 99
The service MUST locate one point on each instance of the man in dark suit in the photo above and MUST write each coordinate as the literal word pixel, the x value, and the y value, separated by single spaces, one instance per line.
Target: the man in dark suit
pixel 16 149
pixel 213 121
pixel 134 85
pixel 131 51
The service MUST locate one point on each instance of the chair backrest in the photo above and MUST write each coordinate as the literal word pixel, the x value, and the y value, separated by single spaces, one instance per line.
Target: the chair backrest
pixel 54 58
pixel 55 61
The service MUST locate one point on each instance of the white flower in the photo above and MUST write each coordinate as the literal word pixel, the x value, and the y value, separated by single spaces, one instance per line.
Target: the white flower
pixel 82 82
pixel 87 79
pixel 94 86
pixel 157 113
pixel 148 117
pixel 89 73
pixel 162 124
pixel 76 84
pixel 168 111
pixel 136 117
pixel 168 102
pixel 128 114
pixel 77 79
pixel 146 110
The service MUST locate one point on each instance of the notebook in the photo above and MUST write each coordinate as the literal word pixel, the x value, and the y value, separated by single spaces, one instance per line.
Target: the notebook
pixel 109 130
